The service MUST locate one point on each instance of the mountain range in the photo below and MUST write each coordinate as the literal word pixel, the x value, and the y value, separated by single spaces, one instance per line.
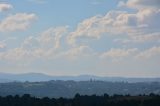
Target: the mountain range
pixel 37 77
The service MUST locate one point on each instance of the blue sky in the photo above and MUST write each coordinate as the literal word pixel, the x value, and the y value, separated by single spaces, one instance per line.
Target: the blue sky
pixel 75 37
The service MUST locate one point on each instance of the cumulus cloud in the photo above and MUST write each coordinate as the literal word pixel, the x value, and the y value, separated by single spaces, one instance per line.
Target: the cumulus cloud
pixel 52 36
pixel 153 37
pixel 19 21
pixel 119 53
pixel 138 24
pixel 87 28
pixel 150 53
pixel 45 45
pixel 78 52
pixel 5 7
pixel 15 54
pixel 139 4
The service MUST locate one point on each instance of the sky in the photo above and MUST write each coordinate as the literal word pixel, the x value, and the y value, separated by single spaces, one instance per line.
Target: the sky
pixel 79 37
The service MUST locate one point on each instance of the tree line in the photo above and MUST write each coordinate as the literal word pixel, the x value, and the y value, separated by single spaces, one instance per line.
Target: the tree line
pixel 82 100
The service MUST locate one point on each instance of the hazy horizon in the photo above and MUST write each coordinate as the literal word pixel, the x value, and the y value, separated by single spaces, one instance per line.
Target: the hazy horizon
pixel 117 38
pixel 78 75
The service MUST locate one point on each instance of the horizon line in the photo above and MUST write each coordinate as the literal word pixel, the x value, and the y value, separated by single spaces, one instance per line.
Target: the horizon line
pixel 91 75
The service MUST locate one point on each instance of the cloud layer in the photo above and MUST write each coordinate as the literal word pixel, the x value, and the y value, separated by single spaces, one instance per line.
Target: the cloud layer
pixel 138 26
pixel 5 7
pixel 130 33
pixel 19 21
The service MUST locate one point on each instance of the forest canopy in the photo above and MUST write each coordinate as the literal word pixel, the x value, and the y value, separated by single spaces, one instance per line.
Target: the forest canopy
pixel 82 100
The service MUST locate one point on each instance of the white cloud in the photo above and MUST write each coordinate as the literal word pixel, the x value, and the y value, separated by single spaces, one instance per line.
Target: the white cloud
pixel 5 7
pixel 132 53
pixel 139 4
pixel 2 45
pixel 153 37
pixel 87 28
pixel 30 43
pixel 119 53
pixel 46 45
pixel 78 52
pixel 52 36
pixel 19 21
pixel 147 37
pixel 16 54
pixel 29 51
pixel 150 53
pixel 21 54
pixel 138 24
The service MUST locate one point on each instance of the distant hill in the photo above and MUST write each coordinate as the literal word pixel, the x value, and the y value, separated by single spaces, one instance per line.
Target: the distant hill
pixel 32 77
pixel 70 88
